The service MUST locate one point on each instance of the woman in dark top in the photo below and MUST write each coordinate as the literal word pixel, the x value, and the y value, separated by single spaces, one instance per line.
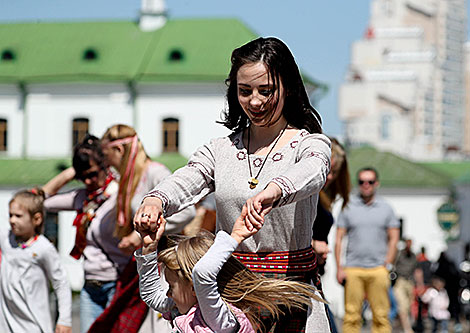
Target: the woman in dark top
pixel 337 185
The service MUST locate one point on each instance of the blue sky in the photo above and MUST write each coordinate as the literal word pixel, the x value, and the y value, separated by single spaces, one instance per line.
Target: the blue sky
pixel 319 33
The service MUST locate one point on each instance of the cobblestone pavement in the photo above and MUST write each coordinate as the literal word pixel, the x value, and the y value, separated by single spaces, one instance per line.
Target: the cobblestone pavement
pixel 366 329
pixel 396 328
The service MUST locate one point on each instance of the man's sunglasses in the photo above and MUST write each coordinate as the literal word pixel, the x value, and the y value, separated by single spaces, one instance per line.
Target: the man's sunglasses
pixel 370 182
pixel 89 175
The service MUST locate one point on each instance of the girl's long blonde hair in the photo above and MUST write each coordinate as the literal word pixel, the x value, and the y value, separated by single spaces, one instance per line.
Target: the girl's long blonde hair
pixel 118 132
pixel 237 285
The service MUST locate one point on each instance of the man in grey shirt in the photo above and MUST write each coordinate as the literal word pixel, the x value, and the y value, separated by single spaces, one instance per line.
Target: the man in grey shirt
pixel 373 233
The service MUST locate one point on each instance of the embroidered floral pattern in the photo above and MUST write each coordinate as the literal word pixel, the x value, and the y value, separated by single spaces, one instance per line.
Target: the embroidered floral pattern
pixel 294 144
pixel 241 155
pixel 303 133
pixel 257 162
pixel 277 157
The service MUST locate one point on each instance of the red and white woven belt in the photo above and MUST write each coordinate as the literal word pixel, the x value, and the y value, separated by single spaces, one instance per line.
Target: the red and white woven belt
pixel 300 261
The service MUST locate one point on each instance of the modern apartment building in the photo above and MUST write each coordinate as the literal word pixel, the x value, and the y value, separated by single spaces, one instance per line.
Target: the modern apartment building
pixel 404 89
pixel 466 145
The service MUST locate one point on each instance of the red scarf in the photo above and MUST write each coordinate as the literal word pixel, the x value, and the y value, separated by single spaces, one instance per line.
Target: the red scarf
pixel 87 213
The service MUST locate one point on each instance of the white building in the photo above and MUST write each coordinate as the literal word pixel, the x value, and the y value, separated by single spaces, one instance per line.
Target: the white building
pixel 466 145
pixel 404 90
pixel 60 80
pixel 164 77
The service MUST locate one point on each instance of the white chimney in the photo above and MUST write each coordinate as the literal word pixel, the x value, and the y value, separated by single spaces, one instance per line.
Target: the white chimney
pixel 152 15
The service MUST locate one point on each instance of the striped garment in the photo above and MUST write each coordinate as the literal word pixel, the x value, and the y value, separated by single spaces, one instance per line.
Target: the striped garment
pixel 300 265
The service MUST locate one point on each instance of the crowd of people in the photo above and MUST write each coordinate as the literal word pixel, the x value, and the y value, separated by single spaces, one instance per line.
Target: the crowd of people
pixel 257 266
pixel 426 291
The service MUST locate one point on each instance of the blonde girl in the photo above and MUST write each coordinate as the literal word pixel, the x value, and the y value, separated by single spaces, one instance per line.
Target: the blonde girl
pixel 29 263
pixel 211 289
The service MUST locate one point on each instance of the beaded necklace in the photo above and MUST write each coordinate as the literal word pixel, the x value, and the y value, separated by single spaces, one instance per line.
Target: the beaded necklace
pixel 28 243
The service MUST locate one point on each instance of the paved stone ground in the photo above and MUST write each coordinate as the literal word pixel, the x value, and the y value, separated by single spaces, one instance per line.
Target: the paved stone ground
pixel 366 329
pixel 396 328
pixel 76 313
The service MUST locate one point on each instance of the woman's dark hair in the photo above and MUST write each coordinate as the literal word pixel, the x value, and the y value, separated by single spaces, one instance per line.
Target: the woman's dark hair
pixel 281 66
pixel 88 149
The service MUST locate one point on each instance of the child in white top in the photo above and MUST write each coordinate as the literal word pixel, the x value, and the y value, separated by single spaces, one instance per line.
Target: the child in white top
pixel 210 289
pixel 438 301
pixel 29 262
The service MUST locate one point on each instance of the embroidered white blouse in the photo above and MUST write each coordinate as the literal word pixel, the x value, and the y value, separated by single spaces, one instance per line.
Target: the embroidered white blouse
pixel 299 168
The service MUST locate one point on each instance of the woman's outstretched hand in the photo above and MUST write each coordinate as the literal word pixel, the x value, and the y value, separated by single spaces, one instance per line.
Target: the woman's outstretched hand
pixel 150 224
pixel 240 231
pixel 148 215
pixel 260 205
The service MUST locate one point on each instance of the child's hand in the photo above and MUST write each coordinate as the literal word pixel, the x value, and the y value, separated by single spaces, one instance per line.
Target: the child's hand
pixel 240 232
pixel 150 238
pixel 63 329
pixel 129 243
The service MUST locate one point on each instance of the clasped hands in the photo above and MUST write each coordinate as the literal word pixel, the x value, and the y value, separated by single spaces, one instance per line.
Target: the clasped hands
pixel 149 217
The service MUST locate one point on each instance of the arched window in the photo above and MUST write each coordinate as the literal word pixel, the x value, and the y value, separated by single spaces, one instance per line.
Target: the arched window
pixel 176 55
pixel 90 54
pixel 170 131
pixel 8 55
pixel 3 134
pixel 79 130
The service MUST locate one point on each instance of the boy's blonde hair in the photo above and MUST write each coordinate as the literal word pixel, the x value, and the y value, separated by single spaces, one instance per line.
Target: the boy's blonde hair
pixel 237 285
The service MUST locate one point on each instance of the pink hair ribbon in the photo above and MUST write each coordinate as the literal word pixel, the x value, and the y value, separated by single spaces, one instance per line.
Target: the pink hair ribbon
pixel 128 174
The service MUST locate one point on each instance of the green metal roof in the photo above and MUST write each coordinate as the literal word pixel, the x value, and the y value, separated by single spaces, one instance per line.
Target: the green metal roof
pixel 29 172
pixel 56 52
pixel 459 171
pixel 53 52
pixel 36 172
pixel 396 172
pixel 205 48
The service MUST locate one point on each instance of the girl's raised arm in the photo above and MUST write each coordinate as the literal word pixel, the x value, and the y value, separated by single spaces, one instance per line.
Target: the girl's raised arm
pixel 151 290
pixel 215 311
